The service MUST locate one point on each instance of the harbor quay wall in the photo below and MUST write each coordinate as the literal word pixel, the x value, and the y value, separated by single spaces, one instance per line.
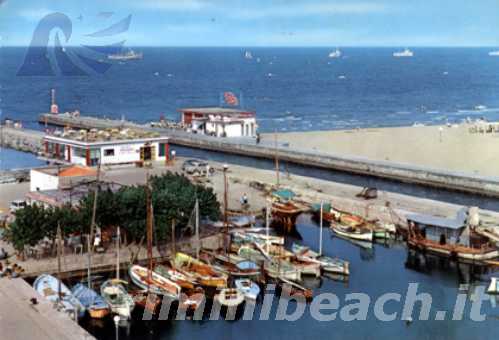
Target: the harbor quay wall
pixel 464 182
pixel 21 139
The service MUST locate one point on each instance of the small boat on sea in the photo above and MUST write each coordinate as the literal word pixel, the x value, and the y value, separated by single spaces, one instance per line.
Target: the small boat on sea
pixel 57 292
pixel 403 54
pixel 306 267
pixel 230 297
pixel 250 289
pixel 354 233
pixel 205 274
pixel 153 282
pixel 250 237
pixel 233 265
pixel 96 306
pixel 494 53
pixel 115 294
pixel 335 54
pixel 493 288
pixel 126 56
pixel 248 55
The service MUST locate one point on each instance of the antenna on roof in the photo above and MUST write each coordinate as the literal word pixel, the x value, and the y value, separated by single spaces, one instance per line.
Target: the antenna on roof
pixel 53 107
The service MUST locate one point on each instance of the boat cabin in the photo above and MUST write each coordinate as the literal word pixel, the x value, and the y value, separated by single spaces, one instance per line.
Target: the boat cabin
pixel 440 229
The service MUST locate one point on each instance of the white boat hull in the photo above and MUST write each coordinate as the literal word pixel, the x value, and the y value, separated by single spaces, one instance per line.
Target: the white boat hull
pixel 364 236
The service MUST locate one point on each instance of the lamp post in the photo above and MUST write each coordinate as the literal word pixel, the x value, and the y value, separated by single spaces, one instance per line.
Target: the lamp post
pixel 116 320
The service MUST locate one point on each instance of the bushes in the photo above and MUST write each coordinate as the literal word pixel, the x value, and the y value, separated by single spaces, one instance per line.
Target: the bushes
pixel 173 197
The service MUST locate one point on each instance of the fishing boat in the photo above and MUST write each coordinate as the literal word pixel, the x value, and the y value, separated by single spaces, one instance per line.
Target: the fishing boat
pixel 277 269
pixel 284 210
pixel 126 56
pixel 250 237
pixel 234 265
pixel 403 54
pixel 205 274
pixel 248 55
pixel 115 294
pixel 335 54
pixel 293 289
pixel 153 282
pixel 96 306
pixel 251 254
pixel 349 232
pixel 57 292
pixel 230 297
pixel 306 267
pixel 184 280
pixel 493 288
pixel 191 299
pixel 328 213
pixel 328 264
pixel 249 288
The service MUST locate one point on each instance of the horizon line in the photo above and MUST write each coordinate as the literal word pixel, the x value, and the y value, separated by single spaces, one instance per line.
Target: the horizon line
pixel 278 46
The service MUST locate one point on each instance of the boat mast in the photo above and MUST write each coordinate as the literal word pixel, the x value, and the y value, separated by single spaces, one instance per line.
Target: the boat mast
pixel 267 225
pixel 59 250
pixel 276 159
pixel 320 234
pixel 173 239
pixel 118 241
pixel 92 227
pixel 149 223
pixel 197 228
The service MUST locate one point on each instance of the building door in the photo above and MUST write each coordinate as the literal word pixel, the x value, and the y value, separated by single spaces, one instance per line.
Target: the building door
pixel 146 153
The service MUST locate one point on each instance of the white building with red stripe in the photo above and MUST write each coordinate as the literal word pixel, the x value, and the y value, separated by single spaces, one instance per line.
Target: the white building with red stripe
pixel 220 121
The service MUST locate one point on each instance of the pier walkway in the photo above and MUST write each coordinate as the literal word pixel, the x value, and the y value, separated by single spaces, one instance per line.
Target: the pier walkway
pixel 20 319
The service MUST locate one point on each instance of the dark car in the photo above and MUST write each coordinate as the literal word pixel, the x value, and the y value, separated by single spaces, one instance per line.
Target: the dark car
pixel 197 167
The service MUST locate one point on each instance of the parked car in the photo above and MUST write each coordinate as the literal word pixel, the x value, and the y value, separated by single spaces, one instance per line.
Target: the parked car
pixel 17 204
pixel 197 167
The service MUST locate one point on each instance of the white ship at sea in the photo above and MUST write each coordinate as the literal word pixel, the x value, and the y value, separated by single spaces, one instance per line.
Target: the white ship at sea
pixel 405 53
pixel 248 55
pixel 494 53
pixel 129 55
pixel 335 54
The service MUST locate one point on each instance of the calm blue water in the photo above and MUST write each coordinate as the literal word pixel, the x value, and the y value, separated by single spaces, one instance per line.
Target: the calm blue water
pixel 373 272
pixel 290 88
pixel 12 159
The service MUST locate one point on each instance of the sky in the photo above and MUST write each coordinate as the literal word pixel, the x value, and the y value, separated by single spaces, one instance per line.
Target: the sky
pixel 305 23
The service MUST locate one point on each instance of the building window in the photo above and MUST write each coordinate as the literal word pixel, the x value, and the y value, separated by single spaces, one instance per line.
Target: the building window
pixel 162 150
pixel 108 152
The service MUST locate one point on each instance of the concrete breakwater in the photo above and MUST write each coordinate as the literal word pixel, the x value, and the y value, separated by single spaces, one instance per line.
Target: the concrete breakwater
pixel 21 139
pixel 464 182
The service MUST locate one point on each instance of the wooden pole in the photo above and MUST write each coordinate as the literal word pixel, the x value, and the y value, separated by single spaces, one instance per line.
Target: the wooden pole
pixel 118 243
pixel 320 234
pixel 59 252
pixel 276 159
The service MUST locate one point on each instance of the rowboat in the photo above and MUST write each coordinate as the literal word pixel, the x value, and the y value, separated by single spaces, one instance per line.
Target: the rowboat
pixel 251 254
pixel 249 288
pixel 96 306
pixel 493 286
pixel 230 297
pixel 328 264
pixel 184 280
pixel 307 267
pixel 282 269
pixel 116 295
pixel 55 291
pixel 205 274
pixel 251 237
pixel 153 282
pixel 354 233
pixel 191 299
pixel 234 267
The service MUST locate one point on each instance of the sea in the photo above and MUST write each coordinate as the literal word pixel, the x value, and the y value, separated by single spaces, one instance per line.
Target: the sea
pixel 294 89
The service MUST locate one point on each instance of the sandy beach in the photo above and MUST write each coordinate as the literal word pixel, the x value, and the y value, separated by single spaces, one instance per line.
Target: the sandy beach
pixel 453 148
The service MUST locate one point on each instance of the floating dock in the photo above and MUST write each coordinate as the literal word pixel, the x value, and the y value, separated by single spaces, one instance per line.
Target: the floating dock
pixel 21 319
pixel 464 182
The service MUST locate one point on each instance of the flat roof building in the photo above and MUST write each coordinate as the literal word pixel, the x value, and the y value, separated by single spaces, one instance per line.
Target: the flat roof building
pixel 110 146
pixel 220 121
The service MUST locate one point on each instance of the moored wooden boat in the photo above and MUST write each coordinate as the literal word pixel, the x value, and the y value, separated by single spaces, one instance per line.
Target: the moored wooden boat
pixel 116 295
pixel 205 274
pixel 153 282
pixel 250 289
pixel 51 289
pixel 96 306
pixel 191 299
pixel 184 280
pixel 230 297
pixel 328 264
pixel 306 267
pixel 280 269
pixel 353 233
